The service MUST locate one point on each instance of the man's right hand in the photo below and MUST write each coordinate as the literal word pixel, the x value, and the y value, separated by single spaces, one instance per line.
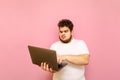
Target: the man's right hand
pixel 46 67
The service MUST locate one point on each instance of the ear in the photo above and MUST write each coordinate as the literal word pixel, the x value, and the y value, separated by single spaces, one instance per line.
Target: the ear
pixel 71 32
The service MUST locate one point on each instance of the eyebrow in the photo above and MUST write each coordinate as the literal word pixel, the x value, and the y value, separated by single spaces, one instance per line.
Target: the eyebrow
pixel 64 31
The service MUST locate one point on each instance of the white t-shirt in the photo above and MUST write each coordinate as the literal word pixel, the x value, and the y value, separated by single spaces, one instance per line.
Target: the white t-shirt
pixel 70 71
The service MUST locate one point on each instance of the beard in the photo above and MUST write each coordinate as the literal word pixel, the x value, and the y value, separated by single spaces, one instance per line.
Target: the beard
pixel 66 41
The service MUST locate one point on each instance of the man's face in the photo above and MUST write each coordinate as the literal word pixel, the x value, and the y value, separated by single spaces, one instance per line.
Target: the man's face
pixel 65 34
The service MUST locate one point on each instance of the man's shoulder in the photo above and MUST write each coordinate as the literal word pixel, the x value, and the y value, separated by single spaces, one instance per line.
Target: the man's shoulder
pixel 78 40
pixel 55 43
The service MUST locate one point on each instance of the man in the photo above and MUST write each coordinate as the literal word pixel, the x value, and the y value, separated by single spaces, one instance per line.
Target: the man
pixel 74 52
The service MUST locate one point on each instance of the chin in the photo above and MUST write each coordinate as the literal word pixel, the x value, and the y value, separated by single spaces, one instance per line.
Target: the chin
pixel 65 40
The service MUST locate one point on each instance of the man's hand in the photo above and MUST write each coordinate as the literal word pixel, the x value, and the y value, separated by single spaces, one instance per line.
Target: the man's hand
pixel 46 67
pixel 62 58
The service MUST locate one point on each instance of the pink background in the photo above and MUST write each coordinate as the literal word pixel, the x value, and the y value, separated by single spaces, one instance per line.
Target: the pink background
pixel 34 22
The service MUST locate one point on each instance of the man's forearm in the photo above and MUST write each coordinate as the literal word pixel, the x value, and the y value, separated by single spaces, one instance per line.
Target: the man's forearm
pixel 78 59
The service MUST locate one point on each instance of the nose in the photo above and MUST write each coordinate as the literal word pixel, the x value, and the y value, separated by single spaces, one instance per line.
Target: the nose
pixel 63 32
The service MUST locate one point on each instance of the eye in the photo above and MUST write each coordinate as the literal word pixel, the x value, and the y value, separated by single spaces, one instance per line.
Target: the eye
pixel 61 31
pixel 66 31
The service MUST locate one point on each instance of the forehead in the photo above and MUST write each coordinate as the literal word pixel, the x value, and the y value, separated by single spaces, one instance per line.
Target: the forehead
pixel 63 28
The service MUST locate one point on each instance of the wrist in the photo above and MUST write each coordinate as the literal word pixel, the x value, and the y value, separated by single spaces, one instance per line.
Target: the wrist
pixel 66 58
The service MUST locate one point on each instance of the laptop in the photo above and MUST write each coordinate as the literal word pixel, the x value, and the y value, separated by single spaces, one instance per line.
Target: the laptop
pixel 39 55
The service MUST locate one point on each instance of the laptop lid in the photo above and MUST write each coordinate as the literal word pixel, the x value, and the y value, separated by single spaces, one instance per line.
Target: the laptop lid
pixel 39 55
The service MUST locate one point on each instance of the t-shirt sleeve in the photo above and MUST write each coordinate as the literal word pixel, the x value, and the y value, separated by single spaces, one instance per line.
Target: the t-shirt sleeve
pixel 83 47
pixel 52 47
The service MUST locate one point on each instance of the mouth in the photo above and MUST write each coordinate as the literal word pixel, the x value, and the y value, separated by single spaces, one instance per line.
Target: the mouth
pixel 63 36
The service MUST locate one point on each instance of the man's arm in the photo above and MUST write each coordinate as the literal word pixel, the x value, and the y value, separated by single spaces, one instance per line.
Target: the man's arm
pixel 82 59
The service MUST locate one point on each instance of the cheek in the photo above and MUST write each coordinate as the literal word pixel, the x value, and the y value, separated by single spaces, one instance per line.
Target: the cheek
pixel 60 34
pixel 68 35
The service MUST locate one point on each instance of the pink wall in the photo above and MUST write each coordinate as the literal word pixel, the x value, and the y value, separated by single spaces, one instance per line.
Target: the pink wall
pixel 34 22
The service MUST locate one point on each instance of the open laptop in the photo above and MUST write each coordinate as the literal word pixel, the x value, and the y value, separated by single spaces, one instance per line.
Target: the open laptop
pixel 39 55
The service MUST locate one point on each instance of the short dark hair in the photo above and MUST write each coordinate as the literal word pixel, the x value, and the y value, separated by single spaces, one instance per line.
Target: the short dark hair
pixel 67 23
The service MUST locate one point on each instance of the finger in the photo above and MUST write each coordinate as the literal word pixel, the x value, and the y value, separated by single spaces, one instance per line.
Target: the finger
pixel 41 65
pixel 44 66
pixel 51 70
pixel 58 59
pixel 47 67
